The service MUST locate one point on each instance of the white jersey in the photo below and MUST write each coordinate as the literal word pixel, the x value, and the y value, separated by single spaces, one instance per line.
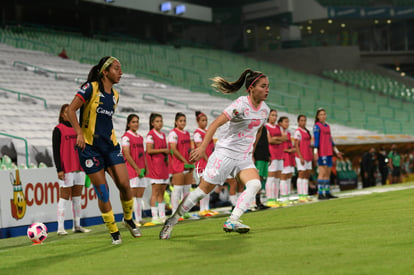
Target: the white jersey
pixel 237 136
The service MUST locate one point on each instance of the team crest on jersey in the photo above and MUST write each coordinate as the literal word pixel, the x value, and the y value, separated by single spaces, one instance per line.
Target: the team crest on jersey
pixel 237 114
pixel 85 87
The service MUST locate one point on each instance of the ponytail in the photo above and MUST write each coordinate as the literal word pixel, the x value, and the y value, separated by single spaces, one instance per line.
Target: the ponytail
pixel 249 77
pixel 95 74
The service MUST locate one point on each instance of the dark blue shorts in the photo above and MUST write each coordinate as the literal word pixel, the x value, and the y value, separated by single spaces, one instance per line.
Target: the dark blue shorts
pixel 325 161
pixel 95 158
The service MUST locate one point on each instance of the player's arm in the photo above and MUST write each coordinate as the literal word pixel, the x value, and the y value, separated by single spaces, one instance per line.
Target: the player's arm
pixel 197 153
pixel 56 138
pixel 76 103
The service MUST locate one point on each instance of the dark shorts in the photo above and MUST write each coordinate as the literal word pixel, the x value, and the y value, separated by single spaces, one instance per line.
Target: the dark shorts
pixel 95 158
pixel 325 161
pixel 396 172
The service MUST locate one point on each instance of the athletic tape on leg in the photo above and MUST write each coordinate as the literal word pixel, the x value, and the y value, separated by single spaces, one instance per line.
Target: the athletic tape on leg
pixel 102 192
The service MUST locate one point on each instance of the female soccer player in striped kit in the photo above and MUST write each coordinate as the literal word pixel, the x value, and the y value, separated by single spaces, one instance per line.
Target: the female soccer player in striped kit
pixel 179 142
pixel 98 149
pixel 69 171
pixel 157 161
pixel 323 152
pixel 303 158
pixel 242 121
pixel 288 162
pixel 198 138
pixel 275 137
pixel 134 155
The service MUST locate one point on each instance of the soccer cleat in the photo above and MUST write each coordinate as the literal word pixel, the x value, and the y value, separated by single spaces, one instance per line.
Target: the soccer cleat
pixel 62 232
pixel 330 196
pixel 205 213
pixel 80 229
pixel 166 230
pixel 321 197
pixel 303 199
pixel 212 212
pixel 262 207
pixel 133 229
pixel 235 226
pixel 116 238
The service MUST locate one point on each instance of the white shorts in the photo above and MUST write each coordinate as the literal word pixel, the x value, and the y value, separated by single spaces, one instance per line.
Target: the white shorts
pixel 159 181
pixel 288 170
pixel 276 165
pixel 73 178
pixel 220 167
pixel 303 167
pixel 138 182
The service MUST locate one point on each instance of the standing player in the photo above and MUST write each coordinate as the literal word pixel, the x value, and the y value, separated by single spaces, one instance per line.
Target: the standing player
pixel 303 158
pixel 180 144
pixel 157 159
pixel 198 137
pixel 275 137
pixel 242 122
pixel 288 162
pixel 261 160
pixel 134 156
pixel 70 174
pixel 98 149
pixel 323 152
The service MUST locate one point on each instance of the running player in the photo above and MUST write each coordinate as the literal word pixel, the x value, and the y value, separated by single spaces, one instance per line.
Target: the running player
pixel 134 156
pixel 198 137
pixel 323 152
pixel 275 137
pixel 157 160
pixel 98 149
pixel 303 158
pixel 242 121
pixel 179 142
pixel 288 162
pixel 70 174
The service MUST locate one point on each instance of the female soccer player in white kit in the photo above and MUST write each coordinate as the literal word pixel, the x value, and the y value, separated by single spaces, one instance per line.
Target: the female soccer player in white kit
pixel 242 122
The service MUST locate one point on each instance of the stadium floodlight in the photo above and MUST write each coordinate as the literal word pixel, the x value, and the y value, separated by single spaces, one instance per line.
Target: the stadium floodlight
pixel 165 6
pixel 180 9
pixel 109 1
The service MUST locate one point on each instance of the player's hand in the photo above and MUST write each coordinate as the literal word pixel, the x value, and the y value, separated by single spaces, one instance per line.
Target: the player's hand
pixel 302 160
pixel 80 142
pixel 196 154
pixel 61 175
pixel 340 155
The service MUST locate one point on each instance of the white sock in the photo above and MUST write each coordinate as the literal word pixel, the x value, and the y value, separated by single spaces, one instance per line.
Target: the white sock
pixel 76 208
pixel 161 209
pixel 246 199
pixel 289 185
pixel 205 203
pixel 283 189
pixel 299 186
pixel 233 199
pixel 270 188
pixel 276 183
pixel 305 186
pixel 154 212
pixel 176 196
pixel 188 203
pixel 186 190
pixel 138 209
pixel 61 213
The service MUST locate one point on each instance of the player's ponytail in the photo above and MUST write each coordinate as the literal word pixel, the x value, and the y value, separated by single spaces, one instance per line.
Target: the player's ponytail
pixel 248 77
pixel 95 74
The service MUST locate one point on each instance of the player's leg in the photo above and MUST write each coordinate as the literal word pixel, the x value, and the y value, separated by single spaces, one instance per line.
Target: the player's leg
pixel 64 202
pixel 178 191
pixel 78 187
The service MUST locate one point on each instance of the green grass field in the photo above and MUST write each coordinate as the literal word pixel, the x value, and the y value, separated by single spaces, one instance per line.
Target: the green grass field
pixel 367 234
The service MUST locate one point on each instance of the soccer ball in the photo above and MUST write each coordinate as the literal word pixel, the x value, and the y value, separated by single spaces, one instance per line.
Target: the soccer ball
pixel 37 232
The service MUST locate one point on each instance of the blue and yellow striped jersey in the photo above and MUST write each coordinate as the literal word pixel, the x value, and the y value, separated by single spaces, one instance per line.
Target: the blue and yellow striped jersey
pixel 96 114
